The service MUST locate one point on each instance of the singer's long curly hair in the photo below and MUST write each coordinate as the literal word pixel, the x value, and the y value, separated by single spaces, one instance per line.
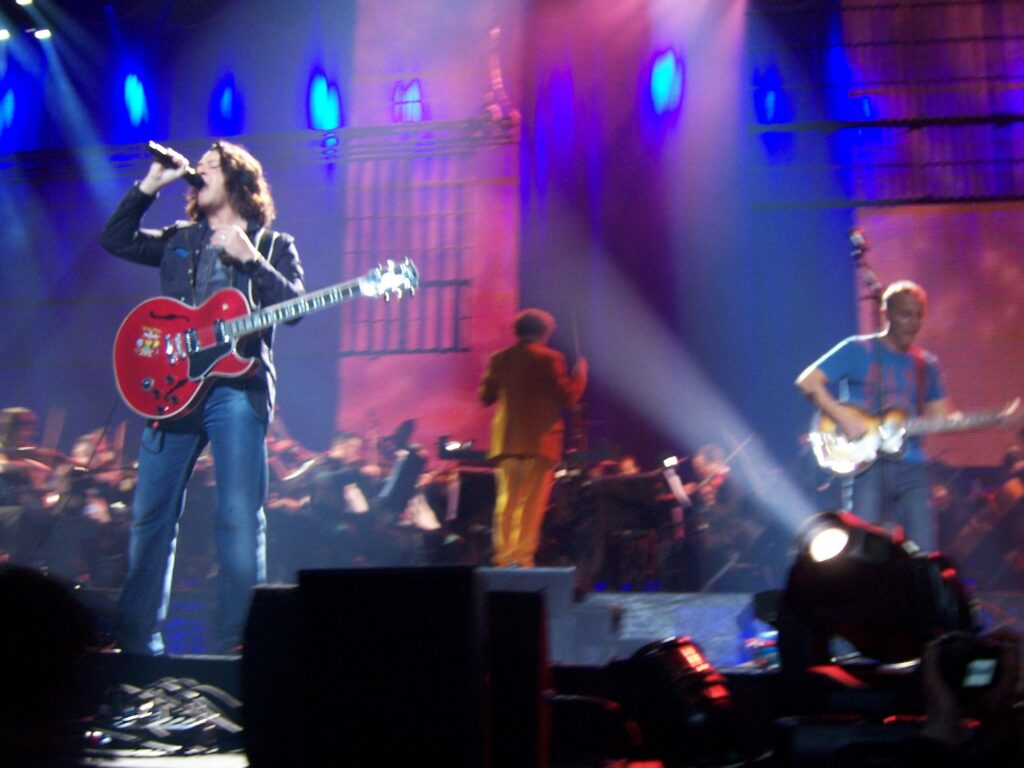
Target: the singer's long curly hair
pixel 247 188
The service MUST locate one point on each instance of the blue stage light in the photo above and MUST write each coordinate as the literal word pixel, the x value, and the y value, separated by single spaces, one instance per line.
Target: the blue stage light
pixel 226 114
pixel 772 104
pixel 666 82
pixel 135 100
pixel 324 103
pixel 227 99
pixel 7 107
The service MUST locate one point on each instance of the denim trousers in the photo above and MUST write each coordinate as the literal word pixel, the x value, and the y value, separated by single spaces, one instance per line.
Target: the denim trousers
pixel 236 434
pixel 895 493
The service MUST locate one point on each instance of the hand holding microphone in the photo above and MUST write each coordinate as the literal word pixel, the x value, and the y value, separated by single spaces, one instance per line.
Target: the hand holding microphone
pixel 175 166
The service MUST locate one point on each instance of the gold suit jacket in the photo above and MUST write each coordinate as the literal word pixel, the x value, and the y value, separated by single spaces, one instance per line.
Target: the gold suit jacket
pixel 530 384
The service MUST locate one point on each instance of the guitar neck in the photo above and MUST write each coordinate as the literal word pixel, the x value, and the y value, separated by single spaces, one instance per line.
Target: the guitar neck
pixel 292 309
pixel 931 425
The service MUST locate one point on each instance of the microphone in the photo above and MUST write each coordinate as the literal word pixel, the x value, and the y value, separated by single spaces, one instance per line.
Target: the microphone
pixel 162 156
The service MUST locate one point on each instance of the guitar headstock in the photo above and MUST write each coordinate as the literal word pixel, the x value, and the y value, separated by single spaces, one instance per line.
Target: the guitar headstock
pixel 391 278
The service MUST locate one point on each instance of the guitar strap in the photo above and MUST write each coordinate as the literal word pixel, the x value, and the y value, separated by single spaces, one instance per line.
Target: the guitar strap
pixel 919 367
pixel 258 241
pixel 878 396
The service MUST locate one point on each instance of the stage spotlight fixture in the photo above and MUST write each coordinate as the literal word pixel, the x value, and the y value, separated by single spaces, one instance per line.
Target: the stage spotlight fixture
pixel 682 704
pixel 5 34
pixel 876 590
pixel 41 34
pixel 825 536
pixel 24 2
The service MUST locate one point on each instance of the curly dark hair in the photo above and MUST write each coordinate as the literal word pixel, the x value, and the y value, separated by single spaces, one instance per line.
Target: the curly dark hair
pixel 247 188
pixel 533 323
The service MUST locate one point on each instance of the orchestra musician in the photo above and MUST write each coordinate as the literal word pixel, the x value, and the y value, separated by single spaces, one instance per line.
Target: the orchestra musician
pixel 344 482
pixel 990 544
pixel 712 529
pixel 91 502
pixel 27 475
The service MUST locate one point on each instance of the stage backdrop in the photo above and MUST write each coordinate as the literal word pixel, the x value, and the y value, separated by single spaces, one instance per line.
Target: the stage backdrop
pixel 967 257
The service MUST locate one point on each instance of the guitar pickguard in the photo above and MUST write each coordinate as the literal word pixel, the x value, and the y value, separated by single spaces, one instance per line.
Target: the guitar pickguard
pixel 202 361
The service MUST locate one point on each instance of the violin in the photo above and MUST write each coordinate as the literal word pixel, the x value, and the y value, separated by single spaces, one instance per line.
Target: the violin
pixel 707 489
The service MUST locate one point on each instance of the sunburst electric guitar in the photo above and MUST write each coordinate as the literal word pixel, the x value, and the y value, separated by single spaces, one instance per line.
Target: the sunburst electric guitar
pixel 887 435
pixel 167 352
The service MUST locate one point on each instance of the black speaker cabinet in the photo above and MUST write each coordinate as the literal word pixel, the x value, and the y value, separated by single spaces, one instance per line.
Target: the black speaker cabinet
pixel 273 701
pixel 392 666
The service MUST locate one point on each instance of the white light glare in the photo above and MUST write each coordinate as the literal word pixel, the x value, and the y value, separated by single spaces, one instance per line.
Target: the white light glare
pixel 827 544
pixel 5 34
pixel 24 2
pixel 42 34
pixel 670 462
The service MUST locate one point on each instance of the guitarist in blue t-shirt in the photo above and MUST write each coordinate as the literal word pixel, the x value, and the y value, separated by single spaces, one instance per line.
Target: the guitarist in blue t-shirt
pixel 867 388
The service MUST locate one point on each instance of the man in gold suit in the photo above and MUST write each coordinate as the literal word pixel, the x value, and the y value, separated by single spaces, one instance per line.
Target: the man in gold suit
pixel 530 384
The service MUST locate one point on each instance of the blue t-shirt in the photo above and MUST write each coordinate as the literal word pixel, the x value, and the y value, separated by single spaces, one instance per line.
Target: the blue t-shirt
pixel 864 372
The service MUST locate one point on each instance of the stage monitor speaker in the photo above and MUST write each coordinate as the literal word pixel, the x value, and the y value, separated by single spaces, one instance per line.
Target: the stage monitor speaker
pixel 477 491
pixel 392 667
pixel 520 680
pixel 273 702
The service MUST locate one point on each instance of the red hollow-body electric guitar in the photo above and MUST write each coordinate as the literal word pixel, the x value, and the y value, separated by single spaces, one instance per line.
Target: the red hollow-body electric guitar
pixel 166 352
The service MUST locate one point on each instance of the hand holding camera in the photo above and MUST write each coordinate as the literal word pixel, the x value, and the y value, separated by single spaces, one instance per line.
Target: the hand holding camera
pixel 969 676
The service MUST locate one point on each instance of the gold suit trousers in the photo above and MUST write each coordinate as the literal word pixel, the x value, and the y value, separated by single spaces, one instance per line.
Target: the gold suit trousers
pixel 523 489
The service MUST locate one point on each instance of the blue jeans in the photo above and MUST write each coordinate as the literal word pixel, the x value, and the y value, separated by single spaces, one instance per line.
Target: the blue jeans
pixel 237 436
pixel 891 493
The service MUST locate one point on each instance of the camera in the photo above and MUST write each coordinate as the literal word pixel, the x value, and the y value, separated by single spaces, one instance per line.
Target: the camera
pixel 968 664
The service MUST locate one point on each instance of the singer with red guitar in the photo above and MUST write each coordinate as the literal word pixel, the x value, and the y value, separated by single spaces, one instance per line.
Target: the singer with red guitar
pixel 226 243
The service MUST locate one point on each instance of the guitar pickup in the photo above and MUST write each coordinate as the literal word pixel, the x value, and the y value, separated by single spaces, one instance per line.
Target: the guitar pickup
pixel 220 331
pixel 173 348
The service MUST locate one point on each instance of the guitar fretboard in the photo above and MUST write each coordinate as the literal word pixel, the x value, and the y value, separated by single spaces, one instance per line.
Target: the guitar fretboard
pixel 292 309
pixel 925 425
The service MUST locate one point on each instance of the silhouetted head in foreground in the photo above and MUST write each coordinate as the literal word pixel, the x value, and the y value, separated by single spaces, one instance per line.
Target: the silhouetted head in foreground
pixel 46 631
